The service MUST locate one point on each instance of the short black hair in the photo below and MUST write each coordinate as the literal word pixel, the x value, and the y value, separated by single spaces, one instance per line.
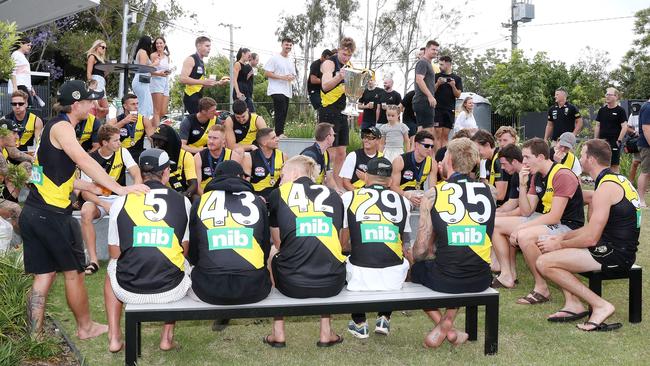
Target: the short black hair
pixel 239 106
pixel 127 97
pixel 432 43
pixel 286 39
pixel 445 58
pixel 326 53
pixel 483 137
pixel 511 152
pixel 423 135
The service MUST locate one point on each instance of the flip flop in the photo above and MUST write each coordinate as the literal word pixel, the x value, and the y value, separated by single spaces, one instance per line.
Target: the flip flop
pixel 498 284
pixel 338 340
pixel 563 319
pixel 273 344
pixel 533 298
pixel 91 268
pixel 602 327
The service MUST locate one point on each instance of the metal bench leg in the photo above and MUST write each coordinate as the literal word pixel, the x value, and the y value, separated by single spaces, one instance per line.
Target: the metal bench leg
pixel 492 327
pixel 635 296
pixel 471 322
pixel 139 338
pixel 131 340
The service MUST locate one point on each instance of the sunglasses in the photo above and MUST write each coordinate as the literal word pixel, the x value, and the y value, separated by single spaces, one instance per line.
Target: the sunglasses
pixel 368 137
pixel 17 104
pixel 103 47
pixel 426 146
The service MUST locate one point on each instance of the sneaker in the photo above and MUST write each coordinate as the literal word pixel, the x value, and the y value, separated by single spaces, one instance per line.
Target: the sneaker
pixel 382 325
pixel 358 330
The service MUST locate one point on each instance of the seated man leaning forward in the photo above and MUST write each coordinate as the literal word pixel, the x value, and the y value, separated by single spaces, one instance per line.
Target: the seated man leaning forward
pixel 304 221
pixel 376 219
pixel 607 243
pixel 116 161
pixel 148 237
pixel 458 215
pixel 229 271
pixel 553 205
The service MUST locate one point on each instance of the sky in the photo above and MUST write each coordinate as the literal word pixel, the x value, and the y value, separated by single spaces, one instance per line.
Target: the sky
pixel 562 28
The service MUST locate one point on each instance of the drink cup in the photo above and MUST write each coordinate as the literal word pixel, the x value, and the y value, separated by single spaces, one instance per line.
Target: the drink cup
pixel 212 77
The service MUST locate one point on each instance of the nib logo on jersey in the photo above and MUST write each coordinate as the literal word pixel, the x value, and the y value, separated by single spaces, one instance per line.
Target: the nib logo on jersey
pixel 153 236
pixel 466 235
pixel 379 233
pixel 314 226
pixel 230 238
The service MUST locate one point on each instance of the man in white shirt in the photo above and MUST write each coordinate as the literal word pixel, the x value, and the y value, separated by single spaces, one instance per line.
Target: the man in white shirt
pixel 281 72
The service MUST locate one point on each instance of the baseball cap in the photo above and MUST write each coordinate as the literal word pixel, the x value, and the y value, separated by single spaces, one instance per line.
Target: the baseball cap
pixel 153 160
pixel 160 133
pixel 75 91
pixel 11 125
pixel 380 167
pixel 567 139
pixel 229 168
pixel 372 130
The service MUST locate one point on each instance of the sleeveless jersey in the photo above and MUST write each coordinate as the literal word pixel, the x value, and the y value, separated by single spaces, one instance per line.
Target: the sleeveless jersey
pixel 414 174
pixel 84 130
pixel 624 222
pixel 573 216
pixel 199 131
pixel 27 135
pixel 309 217
pixel 151 228
pixel 53 174
pixel 335 98
pixel 361 164
pixel 177 178
pixel 198 72
pixel 463 221
pixel 265 173
pixel 376 219
pixel 114 166
pixel 495 168
pixel 132 136
pixel 245 133
pixel 322 159
pixel 570 161
pixel 209 164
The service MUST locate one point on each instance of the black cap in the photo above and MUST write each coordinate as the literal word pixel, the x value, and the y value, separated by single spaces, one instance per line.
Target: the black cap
pixel 158 134
pixel 11 125
pixel 372 130
pixel 75 91
pixel 380 167
pixel 153 160
pixel 229 168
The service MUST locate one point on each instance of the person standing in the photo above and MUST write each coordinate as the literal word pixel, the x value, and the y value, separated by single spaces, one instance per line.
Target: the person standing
pixel 644 150
pixel 141 81
pixel 387 98
pixel 408 115
pixel 611 126
pixel 242 87
pixel 423 99
pixel 193 76
pixel 46 222
pixel 159 80
pixel 315 75
pixel 281 73
pixel 369 102
pixel 96 55
pixel 21 76
pixel 562 117
pixel 448 87
pixel 466 117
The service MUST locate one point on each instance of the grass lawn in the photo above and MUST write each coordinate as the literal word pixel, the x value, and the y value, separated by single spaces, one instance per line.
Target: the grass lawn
pixel 525 337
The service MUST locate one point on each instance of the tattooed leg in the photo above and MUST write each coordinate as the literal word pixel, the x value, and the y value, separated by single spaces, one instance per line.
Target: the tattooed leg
pixel 35 311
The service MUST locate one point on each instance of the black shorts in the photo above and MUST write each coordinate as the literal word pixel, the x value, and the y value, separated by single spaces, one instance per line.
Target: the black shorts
pixel 428 274
pixel 444 118
pixel 423 115
pixel 298 292
pixel 245 287
pixel 613 257
pixel 51 241
pixel 616 151
pixel 340 122
pixel 191 102
pixel 413 127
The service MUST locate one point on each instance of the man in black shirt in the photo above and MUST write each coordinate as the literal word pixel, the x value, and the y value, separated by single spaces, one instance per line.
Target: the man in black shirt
pixel 369 102
pixel 562 117
pixel 448 87
pixel 408 116
pixel 611 125
pixel 313 84
pixel 388 97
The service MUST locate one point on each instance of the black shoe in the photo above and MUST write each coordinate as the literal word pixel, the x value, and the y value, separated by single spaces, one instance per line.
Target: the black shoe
pixel 220 324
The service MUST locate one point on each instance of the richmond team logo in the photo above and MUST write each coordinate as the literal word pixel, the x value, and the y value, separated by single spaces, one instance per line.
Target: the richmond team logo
pixel 408 175
pixel 196 132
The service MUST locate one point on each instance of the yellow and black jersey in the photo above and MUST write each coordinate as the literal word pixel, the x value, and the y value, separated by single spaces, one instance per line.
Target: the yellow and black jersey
pixel 229 236
pixel 198 73
pixel 361 164
pixel 572 162
pixel 26 137
pixel 309 217
pixel 322 158
pixel 245 133
pixel 132 136
pixel 463 221
pixel 53 174
pixel 496 174
pixel 150 228
pixel 113 166
pixel 335 98
pixel 377 219
pixel 265 172
pixel 86 131
pixel 414 174
pixel 574 214
pixel 183 172
pixel 624 223
pixel 209 164
pixel 198 132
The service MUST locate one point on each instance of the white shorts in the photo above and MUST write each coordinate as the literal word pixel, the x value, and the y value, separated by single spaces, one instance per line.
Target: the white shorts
pixel 376 279
pixel 159 84
pixel 391 153
pixel 102 212
pixel 128 297
pixel 553 229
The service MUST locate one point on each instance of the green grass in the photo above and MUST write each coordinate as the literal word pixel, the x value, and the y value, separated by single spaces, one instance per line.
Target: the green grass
pixel 525 337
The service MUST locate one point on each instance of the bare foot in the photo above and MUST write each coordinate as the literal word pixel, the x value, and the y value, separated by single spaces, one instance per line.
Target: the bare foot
pixel 166 345
pixel 95 330
pixel 274 338
pixel 333 337
pixel 599 314
pixel 438 335
pixel 456 337
pixel 115 345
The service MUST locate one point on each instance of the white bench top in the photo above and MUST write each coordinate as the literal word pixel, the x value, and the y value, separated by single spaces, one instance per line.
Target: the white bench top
pixel 410 291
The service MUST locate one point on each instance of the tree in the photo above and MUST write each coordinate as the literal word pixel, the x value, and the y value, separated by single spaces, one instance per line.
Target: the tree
pixel 341 11
pixel 381 29
pixel 633 75
pixel 474 69
pixel 8 38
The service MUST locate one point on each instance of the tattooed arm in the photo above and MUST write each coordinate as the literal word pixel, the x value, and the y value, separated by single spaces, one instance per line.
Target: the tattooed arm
pixel 425 235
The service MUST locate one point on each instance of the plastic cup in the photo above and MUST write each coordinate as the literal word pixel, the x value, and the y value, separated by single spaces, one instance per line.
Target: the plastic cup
pixel 134 112
pixel 212 77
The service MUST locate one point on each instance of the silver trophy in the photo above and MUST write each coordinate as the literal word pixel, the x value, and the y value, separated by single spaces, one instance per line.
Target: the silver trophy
pixel 355 83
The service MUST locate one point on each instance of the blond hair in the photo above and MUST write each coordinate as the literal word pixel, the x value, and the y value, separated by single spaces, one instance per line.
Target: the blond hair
pixel 463 154
pixel 507 129
pixel 613 90
pixel 304 165
pixel 93 50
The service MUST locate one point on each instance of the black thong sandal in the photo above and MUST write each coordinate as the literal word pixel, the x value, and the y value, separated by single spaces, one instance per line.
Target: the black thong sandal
pixel 338 340
pixel 602 327
pixel 533 298
pixel 570 318
pixel 273 344
pixel 91 268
